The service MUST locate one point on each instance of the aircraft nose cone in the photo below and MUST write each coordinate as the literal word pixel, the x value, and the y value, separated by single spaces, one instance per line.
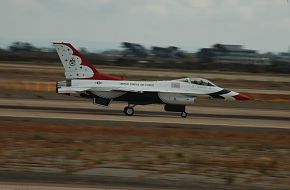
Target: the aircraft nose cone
pixel 241 97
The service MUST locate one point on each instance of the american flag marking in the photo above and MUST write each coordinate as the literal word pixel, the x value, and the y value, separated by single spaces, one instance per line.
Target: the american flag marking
pixel 175 85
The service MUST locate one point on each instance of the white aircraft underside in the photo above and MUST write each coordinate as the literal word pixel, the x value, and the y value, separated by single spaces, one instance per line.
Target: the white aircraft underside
pixel 84 80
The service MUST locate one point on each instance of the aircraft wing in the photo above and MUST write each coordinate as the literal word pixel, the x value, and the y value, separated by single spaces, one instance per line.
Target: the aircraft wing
pixel 125 89
pixel 116 89
pixel 142 90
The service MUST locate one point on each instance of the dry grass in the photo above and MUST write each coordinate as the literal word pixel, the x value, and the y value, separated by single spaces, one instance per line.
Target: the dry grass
pixel 71 147
pixel 79 142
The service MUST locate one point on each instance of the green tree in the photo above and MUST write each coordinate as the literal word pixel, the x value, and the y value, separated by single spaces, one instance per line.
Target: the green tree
pixel 22 46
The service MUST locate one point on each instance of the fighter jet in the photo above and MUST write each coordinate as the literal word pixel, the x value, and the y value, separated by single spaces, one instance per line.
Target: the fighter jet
pixel 84 80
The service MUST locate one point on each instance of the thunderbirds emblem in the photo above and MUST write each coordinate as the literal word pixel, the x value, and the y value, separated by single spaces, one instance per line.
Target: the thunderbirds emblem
pixel 72 62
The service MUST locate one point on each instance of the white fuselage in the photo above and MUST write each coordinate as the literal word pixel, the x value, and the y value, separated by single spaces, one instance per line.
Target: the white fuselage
pixel 83 79
pixel 170 92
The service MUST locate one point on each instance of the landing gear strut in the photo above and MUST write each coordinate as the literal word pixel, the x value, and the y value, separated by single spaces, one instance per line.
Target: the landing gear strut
pixel 129 110
pixel 176 108
pixel 183 114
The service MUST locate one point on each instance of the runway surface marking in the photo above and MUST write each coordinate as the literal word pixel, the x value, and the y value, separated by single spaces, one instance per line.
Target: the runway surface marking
pixel 163 119
pixel 85 110
pixel 86 104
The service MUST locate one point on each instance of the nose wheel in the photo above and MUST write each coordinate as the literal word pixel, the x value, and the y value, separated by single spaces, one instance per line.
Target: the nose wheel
pixel 129 111
pixel 183 114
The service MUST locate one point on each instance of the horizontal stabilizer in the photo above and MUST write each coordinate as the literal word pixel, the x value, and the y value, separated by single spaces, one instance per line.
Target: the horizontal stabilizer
pixel 71 89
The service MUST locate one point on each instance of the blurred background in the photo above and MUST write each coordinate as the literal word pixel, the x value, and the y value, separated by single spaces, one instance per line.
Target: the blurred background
pixel 242 45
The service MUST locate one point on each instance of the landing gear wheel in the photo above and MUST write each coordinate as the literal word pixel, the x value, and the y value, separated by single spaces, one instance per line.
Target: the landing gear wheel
pixel 129 111
pixel 183 114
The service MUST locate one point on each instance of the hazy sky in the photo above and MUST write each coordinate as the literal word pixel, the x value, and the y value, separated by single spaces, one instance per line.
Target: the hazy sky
pixel 189 24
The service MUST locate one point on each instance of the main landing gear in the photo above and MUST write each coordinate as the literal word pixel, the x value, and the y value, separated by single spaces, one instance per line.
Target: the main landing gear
pixel 129 110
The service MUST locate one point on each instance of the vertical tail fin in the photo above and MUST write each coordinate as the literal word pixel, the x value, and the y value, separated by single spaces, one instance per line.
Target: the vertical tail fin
pixel 76 66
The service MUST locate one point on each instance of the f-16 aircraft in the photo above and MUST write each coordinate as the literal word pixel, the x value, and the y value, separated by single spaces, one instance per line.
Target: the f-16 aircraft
pixel 82 79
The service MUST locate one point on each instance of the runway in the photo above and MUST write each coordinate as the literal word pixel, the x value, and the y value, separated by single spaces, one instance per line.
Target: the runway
pixel 198 116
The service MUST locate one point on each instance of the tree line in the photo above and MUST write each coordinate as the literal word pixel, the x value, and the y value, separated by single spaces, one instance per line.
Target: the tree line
pixel 136 55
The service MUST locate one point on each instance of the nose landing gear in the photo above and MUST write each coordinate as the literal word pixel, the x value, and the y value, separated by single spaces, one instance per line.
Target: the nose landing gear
pixel 183 114
pixel 176 108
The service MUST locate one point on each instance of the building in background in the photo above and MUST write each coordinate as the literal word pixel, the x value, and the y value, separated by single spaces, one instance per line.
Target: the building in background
pixel 283 57
pixel 221 53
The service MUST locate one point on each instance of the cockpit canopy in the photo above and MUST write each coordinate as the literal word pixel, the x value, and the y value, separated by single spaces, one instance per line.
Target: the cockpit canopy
pixel 197 81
